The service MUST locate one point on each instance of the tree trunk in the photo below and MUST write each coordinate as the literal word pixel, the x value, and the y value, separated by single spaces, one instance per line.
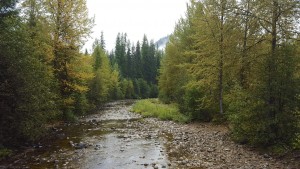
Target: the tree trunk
pixel 272 60
pixel 244 50
pixel 221 45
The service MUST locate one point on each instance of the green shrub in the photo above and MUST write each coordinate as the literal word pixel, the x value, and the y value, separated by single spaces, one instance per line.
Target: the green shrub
pixel 69 116
pixel 144 89
pixel 195 105
pixel 81 104
pixel 154 108
pixel 296 143
pixel 251 123
pixel 153 91
pixel 4 153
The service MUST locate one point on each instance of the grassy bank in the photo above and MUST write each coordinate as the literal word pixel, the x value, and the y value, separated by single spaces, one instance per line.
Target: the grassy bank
pixel 154 108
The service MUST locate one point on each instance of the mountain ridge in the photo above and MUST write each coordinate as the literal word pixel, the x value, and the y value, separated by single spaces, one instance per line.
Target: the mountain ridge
pixel 162 42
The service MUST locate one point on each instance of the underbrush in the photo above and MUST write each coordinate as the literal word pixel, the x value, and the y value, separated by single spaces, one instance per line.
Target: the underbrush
pixel 154 108
pixel 4 153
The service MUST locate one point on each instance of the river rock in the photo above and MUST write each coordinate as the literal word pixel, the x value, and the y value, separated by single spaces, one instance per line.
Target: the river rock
pixel 80 145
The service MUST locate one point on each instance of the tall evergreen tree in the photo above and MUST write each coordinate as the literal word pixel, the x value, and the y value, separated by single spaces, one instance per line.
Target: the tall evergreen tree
pixel 102 41
pixel 27 99
pixel 138 61
pixel 120 53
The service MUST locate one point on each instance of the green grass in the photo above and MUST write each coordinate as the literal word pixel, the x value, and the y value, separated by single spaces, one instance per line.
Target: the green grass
pixel 154 108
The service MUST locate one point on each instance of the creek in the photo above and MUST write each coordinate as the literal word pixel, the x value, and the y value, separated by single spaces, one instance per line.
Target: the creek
pixel 105 140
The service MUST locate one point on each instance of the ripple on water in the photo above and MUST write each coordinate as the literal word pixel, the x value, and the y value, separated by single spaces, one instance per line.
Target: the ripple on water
pixel 124 152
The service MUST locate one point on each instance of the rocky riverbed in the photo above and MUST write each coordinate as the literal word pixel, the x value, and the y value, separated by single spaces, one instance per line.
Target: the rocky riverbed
pixel 208 146
pixel 117 138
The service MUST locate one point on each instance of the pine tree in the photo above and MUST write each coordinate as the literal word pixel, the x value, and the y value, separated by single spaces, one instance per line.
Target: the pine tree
pixel 138 61
pixel 102 41
pixel 27 85
pixel 145 59
pixel 120 53
pixel 100 85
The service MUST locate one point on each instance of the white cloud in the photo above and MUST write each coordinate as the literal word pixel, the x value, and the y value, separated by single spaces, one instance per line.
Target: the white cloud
pixel 155 18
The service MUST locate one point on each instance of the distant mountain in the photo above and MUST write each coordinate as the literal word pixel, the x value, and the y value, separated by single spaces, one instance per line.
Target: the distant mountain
pixel 162 42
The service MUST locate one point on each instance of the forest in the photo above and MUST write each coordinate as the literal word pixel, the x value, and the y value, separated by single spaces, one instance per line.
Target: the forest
pixel 46 78
pixel 227 61
pixel 237 62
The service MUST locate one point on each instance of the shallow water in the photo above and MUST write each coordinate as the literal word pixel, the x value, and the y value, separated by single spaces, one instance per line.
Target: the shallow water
pixel 109 141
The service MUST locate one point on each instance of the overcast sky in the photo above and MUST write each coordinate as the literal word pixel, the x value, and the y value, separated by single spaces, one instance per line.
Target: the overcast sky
pixel 155 18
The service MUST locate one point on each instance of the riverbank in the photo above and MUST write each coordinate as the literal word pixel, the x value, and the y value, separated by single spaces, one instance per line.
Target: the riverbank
pixel 208 146
pixel 118 138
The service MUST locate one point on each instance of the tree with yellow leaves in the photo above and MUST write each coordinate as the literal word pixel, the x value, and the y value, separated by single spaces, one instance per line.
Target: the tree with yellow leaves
pixel 70 24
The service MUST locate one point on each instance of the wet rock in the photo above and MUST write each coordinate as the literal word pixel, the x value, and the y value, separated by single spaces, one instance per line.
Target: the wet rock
pixel 148 136
pixel 296 155
pixel 71 143
pixel 184 162
pixel 66 163
pixel 80 145
pixel 54 129
pixel 266 156
pixel 61 136
pixel 124 136
pixel 99 145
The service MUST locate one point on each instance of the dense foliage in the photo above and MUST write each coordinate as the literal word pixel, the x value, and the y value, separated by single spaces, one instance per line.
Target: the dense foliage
pixel 27 84
pixel 138 65
pixel 237 60
pixel 44 77
pixel 228 59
